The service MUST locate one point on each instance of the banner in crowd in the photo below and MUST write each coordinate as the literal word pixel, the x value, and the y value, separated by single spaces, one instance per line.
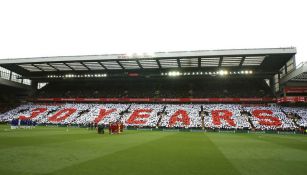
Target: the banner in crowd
pixel 203 100
pixel 291 99
pixel 295 89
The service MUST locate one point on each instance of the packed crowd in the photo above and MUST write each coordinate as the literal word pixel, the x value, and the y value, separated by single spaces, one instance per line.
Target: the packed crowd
pixel 239 121
pixel 188 116
pixel 214 116
pixel 279 120
pixel 299 114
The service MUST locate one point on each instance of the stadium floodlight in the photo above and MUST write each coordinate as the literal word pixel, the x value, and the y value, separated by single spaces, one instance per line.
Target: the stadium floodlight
pixel 223 72
pixel 251 72
pixel 201 73
pixel 246 72
pixel 174 73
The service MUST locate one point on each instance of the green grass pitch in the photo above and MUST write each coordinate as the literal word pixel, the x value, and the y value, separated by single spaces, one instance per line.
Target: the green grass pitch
pixel 46 150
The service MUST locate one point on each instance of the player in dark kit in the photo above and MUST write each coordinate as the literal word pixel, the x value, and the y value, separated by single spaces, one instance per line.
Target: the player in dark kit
pixel 100 129
pixel 110 128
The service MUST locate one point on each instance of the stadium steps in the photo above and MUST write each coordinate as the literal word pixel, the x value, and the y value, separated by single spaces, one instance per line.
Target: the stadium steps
pixel 293 120
pixel 80 114
pixel 161 115
pixel 249 120
pixel 268 88
pixel 251 123
pixel 52 111
pixel 202 117
pixel 122 113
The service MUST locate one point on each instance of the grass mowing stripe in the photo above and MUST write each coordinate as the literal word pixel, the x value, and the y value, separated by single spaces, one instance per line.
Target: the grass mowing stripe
pixel 252 154
pixel 54 151
pixel 179 153
pixel 51 157
pixel 44 135
pixel 294 142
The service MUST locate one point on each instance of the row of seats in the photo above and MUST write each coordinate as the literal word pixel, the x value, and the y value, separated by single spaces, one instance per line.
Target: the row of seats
pixel 223 116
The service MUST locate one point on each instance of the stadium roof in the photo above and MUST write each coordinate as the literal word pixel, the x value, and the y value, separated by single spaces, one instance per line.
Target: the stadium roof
pixel 266 59
pixel 297 75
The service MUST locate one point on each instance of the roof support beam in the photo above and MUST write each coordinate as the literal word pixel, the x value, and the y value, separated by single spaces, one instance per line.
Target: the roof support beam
pixel 52 66
pixel 220 62
pixel 69 66
pixel 85 66
pixel 102 65
pixel 120 65
pixel 139 64
pixel 199 62
pixel 178 62
pixel 37 67
pixel 159 64
pixel 242 61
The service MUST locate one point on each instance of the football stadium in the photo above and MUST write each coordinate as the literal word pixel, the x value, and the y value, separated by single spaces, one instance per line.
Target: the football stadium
pixel 236 111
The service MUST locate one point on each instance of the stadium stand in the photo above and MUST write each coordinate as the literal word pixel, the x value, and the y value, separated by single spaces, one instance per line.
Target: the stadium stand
pixel 217 116
pixel 236 89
